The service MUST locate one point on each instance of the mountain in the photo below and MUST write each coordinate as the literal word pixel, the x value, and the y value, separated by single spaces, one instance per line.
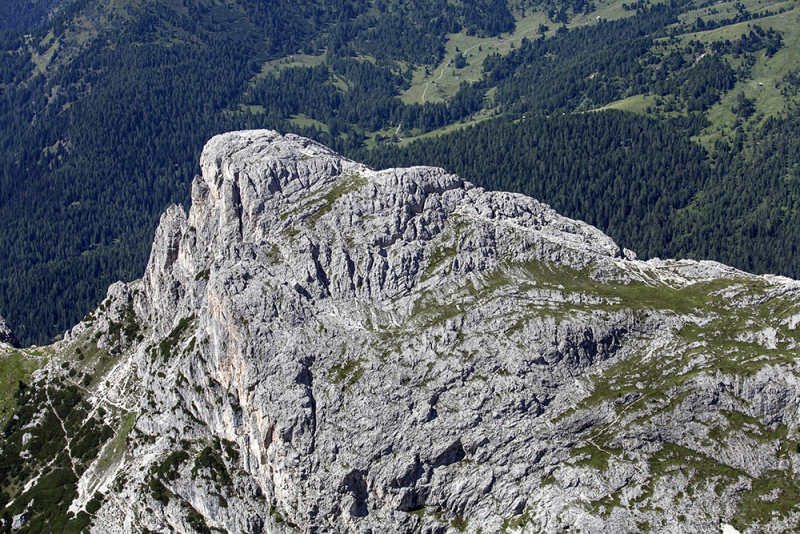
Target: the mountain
pixel 105 105
pixel 320 347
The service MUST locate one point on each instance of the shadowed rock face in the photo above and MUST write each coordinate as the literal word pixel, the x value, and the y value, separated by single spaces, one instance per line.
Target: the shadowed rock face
pixel 6 335
pixel 399 351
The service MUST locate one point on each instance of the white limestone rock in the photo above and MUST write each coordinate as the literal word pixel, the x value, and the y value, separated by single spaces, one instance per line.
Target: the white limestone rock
pixel 400 351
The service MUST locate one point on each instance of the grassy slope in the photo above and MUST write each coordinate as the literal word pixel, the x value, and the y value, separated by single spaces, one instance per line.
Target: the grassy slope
pixel 769 72
pixel 16 366
pixel 476 49
pixel 442 81
pixel 439 83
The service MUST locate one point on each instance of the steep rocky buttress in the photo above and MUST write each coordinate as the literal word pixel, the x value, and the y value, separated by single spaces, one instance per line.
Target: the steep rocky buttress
pixel 7 338
pixel 319 347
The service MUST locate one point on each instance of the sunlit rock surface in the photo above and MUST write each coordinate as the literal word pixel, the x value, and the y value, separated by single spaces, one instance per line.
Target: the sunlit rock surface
pixel 320 347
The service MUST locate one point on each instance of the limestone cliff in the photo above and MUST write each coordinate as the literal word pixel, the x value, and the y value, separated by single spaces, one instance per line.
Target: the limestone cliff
pixel 320 347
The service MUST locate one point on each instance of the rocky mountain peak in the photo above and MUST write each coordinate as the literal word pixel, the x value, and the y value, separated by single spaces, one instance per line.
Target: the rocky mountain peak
pixel 322 347
pixel 345 230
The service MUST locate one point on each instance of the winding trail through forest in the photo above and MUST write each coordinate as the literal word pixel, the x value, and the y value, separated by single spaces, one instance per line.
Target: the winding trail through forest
pixel 464 52
pixel 427 84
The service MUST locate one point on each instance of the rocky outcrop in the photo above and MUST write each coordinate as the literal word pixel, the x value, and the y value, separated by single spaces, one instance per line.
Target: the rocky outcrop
pixel 6 335
pixel 321 347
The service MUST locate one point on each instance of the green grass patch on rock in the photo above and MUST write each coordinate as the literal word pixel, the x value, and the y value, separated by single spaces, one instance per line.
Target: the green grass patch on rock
pixel 773 495
pixel 15 368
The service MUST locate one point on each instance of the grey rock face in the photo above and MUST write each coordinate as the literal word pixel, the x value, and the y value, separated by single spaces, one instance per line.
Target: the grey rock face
pixel 400 351
pixel 6 335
